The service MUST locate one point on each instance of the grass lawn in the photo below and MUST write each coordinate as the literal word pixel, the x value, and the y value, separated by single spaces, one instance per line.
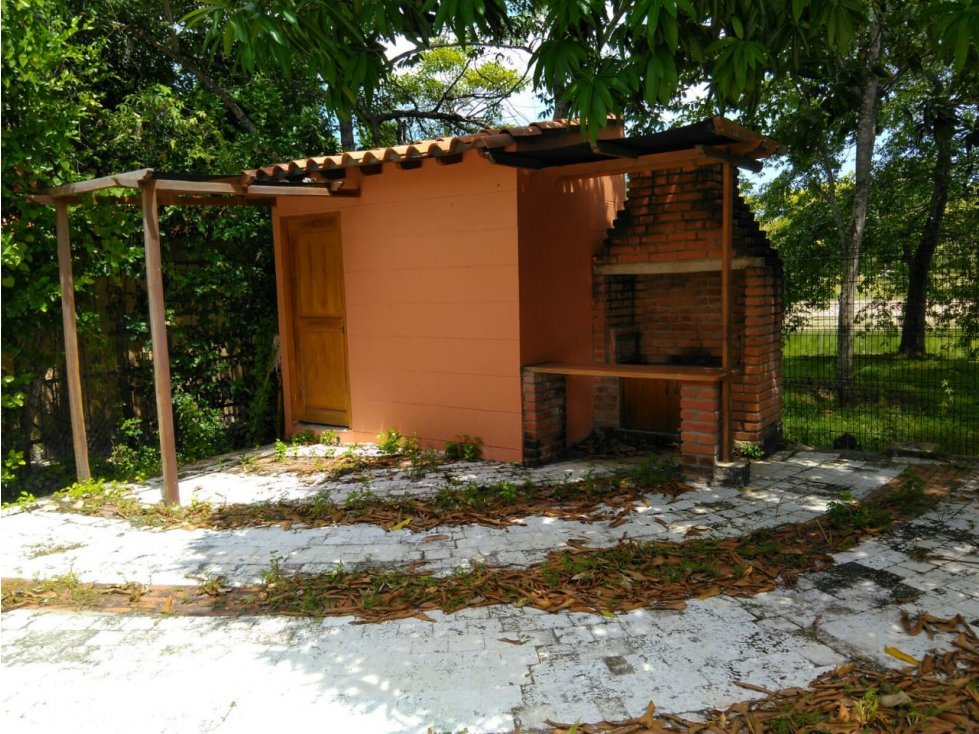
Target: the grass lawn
pixel 933 399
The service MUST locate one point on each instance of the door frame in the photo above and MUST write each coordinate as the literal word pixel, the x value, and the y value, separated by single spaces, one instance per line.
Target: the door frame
pixel 284 277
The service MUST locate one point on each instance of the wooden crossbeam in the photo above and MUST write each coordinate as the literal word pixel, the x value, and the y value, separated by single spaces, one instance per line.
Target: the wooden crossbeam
pixel 129 180
pixel 632 371
pixel 734 159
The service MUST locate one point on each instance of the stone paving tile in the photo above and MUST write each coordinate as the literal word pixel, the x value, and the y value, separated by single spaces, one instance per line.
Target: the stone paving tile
pixel 92 672
pixel 31 540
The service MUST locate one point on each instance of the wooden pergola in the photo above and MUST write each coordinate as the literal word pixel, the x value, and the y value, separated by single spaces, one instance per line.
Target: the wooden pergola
pixel 155 190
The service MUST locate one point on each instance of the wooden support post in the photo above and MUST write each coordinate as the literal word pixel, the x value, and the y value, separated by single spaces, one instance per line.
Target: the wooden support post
pixel 727 245
pixel 158 332
pixel 72 368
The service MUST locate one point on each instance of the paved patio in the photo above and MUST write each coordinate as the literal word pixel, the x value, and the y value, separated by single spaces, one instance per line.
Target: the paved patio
pixel 107 673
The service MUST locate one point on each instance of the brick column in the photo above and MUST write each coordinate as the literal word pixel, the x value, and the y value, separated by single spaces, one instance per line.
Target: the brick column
pixel 544 426
pixel 700 426
pixel 756 392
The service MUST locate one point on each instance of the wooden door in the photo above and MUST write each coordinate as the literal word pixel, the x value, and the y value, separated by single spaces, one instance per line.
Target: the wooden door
pixel 651 405
pixel 320 385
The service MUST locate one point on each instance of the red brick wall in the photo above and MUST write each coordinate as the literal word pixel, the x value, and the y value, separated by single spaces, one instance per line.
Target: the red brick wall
pixel 674 216
pixel 544 417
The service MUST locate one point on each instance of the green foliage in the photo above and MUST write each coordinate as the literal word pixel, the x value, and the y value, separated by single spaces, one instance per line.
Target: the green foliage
pixel 390 441
pixel 25 500
pixel 751 451
pixel 200 429
pixel 304 438
pixel 464 448
pixel 600 58
pixel 360 499
pixel 103 87
pixel 330 438
pixel 848 514
pixel 281 449
pixel 136 456
pixel 444 91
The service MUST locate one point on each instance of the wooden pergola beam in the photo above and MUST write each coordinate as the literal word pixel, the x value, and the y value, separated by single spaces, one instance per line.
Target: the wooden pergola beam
pixel 735 159
pixel 158 335
pixel 76 404
pixel 129 180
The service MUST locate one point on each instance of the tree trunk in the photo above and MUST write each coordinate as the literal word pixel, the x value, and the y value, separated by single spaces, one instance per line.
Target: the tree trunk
pixel 561 107
pixel 915 306
pixel 865 138
pixel 347 134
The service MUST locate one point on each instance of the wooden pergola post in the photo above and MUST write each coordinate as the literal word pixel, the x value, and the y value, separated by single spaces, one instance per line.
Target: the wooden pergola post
pixel 158 334
pixel 72 369
pixel 727 245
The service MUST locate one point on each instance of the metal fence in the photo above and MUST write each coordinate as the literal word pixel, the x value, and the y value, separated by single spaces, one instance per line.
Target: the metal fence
pixel 932 400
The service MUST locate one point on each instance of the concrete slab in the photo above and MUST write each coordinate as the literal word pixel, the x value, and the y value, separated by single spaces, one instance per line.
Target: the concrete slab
pixel 93 672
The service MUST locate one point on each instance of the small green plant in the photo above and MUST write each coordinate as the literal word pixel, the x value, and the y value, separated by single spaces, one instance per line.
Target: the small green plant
pixel 330 438
pixel 304 438
pixel 281 449
pixel 390 441
pixel 422 462
pixel 464 448
pixel 857 516
pixel 410 445
pixel 866 707
pixel 910 494
pixel 751 451
pixel 273 575
pixel 25 500
pixel 651 473
pixel 13 462
pixel 506 490
pixel 210 584
pixel 949 397
pixel 360 499
pixel 322 505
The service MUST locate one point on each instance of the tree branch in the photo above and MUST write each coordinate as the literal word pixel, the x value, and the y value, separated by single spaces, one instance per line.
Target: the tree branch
pixel 188 63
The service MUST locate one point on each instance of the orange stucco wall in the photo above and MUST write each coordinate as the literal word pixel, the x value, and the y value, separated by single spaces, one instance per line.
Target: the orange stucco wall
pixel 432 300
pixel 562 225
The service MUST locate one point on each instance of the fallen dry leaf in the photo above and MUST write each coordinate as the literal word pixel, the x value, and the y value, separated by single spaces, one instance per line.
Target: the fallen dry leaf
pixel 901 655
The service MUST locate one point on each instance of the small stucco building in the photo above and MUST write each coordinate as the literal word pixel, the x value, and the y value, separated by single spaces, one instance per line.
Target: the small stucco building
pixel 527 286
pixel 524 285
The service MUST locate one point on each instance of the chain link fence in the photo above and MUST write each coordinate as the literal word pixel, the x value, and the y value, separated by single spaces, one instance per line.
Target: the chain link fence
pixel 930 399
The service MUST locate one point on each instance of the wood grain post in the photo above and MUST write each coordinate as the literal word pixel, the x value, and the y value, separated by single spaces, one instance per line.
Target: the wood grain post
pixel 72 367
pixel 727 245
pixel 158 332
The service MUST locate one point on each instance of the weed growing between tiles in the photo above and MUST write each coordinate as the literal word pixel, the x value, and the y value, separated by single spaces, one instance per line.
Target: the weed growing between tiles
pixel 939 693
pixel 629 575
pixel 501 504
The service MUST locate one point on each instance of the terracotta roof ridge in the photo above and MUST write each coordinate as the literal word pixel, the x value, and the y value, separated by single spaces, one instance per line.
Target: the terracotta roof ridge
pixel 487 138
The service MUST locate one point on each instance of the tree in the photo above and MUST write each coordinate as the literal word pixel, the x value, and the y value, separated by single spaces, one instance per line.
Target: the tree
pixel 832 106
pixel 608 58
pixel 936 130
pixel 447 91
pixel 85 93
